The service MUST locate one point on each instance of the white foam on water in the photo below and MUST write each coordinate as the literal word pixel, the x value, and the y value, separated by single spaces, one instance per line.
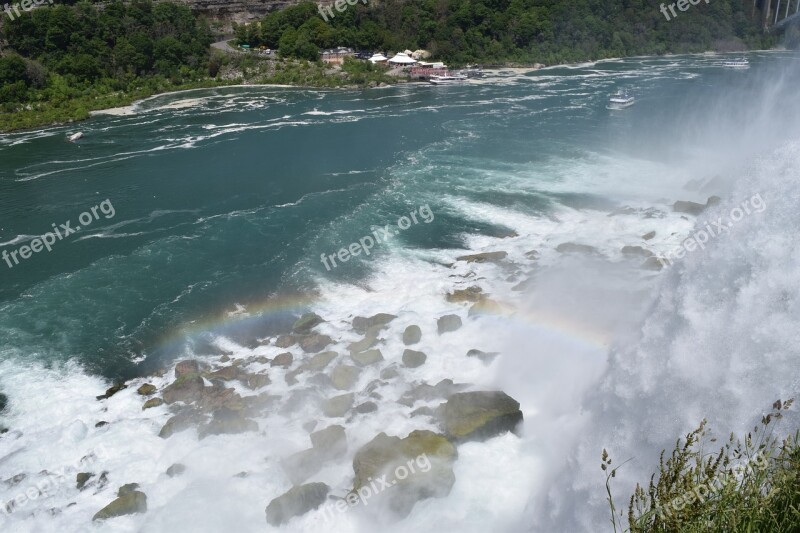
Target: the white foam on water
pixel 714 335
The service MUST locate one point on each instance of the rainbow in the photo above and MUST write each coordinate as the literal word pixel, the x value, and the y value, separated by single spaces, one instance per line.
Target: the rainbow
pixel 283 309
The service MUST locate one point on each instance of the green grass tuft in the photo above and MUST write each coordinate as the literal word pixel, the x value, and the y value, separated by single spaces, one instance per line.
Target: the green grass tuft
pixel 747 485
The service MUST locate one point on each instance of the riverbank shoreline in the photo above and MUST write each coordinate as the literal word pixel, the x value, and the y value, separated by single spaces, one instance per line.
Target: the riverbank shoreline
pixel 128 104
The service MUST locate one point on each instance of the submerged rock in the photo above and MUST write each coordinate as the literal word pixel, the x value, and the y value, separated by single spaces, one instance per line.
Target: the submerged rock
pixel 112 391
pixel 176 470
pixel 152 402
pixel 332 439
pixel 470 294
pixel 413 358
pixel 338 405
pixel 486 357
pixel 82 478
pixel 480 415
pixel 306 323
pixel 367 358
pixel 187 388
pixel 364 344
pixel 362 324
pixel 291 377
pixel 417 467
pixel 649 235
pixel 255 381
pixel 284 341
pixel 636 251
pixel 366 407
pixel 284 360
pixel 571 247
pixel 226 373
pixel 448 323
pixel 488 306
pixel 296 502
pixel 188 366
pixel 180 422
pixel 484 257
pixel 327 444
pixel 320 361
pixel 412 335
pixel 389 373
pixel 314 342
pixel 693 208
pixel 227 421
pixel 147 389
pixel 426 393
pixel 130 501
pixel 345 376
pixel 3 402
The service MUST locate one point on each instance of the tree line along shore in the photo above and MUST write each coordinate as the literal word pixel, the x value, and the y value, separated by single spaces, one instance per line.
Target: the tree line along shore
pixel 59 62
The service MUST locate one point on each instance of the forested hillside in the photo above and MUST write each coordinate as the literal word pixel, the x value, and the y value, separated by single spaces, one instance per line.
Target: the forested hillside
pixel 57 62
pixel 60 53
pixel 543 31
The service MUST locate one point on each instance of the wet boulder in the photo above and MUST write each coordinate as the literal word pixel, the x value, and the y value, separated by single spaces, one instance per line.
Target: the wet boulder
pixel 129 501
pixel 344 377
pixel 413 358
pixel 412 335
pixel 227 421
pixel 485 357
pixel 111 391
pixel 326 445
pixel 284 360
pixel 176 470
pixel 187 388
pixel 296 502
pixel 367 358
pixel 412 469
pixel 284 341
pixel 636 251
pixel 575 248
pixel 470 294
pixel 182 421
pixel 147 389
pixel 483 257
pixel 320 361
pixel 362 324
pixel 314 342
pixel 448 323
pixel 426 393
pixel 480 415
pixel 152 402
pixel 338 405
pixel 306 323
pixel 188 366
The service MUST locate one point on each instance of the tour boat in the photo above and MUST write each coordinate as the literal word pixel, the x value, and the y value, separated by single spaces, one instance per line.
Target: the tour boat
pixel 620 100
pixel 447 78
pixel 741 63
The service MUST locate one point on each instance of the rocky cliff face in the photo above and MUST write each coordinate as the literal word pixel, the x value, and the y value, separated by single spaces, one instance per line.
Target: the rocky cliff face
pixel 239 11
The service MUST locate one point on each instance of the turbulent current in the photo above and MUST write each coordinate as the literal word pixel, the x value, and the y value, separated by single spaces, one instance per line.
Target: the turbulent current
pixel 211 219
